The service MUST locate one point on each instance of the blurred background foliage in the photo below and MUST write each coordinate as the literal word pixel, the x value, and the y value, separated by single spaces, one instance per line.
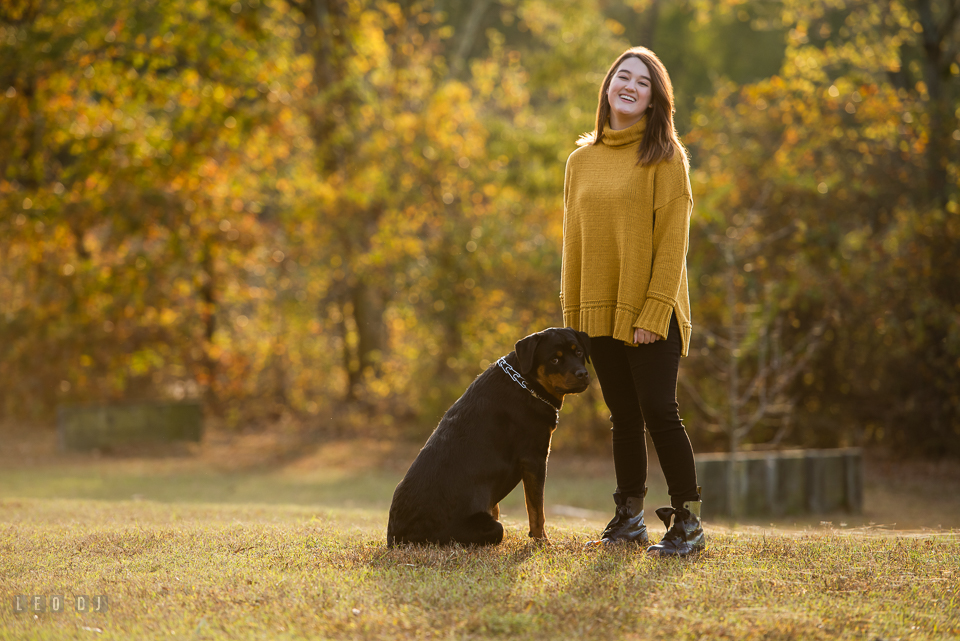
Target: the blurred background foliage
pixel 334 214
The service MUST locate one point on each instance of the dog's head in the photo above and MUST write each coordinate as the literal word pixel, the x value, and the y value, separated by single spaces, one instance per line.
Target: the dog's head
pixel 556 358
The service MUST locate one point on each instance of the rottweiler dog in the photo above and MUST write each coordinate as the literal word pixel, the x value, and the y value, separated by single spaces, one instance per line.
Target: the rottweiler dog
pixel 494 436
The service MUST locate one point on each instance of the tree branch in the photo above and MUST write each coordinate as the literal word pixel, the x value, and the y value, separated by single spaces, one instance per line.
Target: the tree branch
pixel 723 342
pixel 705 407
pixel 471 29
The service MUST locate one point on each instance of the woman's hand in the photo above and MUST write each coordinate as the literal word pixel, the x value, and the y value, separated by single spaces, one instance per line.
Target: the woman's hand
pixel 643 336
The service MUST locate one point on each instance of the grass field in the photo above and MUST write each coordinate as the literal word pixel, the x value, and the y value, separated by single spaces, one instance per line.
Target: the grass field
pixel 261 540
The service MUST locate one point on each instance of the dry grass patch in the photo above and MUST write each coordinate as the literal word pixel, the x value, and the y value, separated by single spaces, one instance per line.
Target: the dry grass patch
pixel 259 537
pixel 249 572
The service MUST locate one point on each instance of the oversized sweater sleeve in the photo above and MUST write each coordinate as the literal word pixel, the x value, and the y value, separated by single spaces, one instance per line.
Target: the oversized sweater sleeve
pixel 673 205
pixel 566 190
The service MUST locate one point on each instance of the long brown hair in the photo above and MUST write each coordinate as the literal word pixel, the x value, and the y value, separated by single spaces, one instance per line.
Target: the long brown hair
pixel 660 140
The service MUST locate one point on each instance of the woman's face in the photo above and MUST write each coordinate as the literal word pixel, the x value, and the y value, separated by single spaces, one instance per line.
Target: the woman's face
pixel 629 94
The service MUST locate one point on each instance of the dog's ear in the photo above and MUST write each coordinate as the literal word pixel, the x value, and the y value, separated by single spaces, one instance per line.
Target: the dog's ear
pixel 526 350
pixel 584 339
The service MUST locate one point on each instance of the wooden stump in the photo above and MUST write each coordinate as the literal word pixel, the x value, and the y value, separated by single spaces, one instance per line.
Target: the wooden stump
pixel 781 483
pixel 791 484
pixel 712 471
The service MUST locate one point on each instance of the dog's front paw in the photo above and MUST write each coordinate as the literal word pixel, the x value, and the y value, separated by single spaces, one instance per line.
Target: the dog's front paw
pixel 540 540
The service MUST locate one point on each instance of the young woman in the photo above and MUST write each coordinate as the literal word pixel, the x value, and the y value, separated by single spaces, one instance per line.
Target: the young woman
pixel 627 205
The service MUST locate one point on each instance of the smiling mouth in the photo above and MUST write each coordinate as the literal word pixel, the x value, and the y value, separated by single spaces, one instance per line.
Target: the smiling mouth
pixel 627 98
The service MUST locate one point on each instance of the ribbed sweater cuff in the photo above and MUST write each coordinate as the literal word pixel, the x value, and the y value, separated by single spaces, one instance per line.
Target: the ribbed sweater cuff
pixel 655 317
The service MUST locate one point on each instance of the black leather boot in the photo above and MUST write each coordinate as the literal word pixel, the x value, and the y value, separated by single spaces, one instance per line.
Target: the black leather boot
pixel 685 535
pixel 627 525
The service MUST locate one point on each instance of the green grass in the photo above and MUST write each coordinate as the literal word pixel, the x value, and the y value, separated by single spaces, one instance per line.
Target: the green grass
pixel 293 550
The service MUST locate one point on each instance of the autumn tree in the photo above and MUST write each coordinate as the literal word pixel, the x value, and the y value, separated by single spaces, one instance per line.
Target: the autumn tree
pixel 843 147
pixel 122 167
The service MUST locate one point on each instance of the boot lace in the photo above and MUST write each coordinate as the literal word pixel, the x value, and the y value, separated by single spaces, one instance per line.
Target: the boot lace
pixel 675 531
pixel 621 515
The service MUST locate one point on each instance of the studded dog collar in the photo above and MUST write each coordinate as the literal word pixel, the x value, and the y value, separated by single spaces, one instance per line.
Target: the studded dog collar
pixel 518 379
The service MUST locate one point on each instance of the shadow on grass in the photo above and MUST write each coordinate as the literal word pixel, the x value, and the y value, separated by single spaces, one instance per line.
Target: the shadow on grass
pixel 272 469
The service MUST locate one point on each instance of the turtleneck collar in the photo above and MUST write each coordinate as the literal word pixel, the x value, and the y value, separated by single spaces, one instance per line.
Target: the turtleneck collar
pixel 623 137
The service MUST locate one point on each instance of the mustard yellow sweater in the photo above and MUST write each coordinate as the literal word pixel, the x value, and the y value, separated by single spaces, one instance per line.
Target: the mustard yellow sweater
pixel 625 235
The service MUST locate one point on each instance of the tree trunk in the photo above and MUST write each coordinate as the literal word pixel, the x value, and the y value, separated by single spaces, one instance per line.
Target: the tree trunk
pixel 648 32
pixel 368 308
pixel 331 110
pixel 208 315
pixel 733 385
pixel 935 71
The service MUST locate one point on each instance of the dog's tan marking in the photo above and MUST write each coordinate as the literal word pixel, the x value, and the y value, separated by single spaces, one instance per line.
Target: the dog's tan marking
pixel 533 482
pixel 551 382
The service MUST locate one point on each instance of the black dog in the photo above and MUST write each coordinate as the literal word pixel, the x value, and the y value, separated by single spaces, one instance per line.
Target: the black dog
pixel 497 434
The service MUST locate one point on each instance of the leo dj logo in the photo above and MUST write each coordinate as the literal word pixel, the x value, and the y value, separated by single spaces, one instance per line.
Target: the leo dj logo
pixel 36 603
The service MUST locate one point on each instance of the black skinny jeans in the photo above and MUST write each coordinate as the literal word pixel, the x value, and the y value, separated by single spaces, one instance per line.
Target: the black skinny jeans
pixel 639 386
